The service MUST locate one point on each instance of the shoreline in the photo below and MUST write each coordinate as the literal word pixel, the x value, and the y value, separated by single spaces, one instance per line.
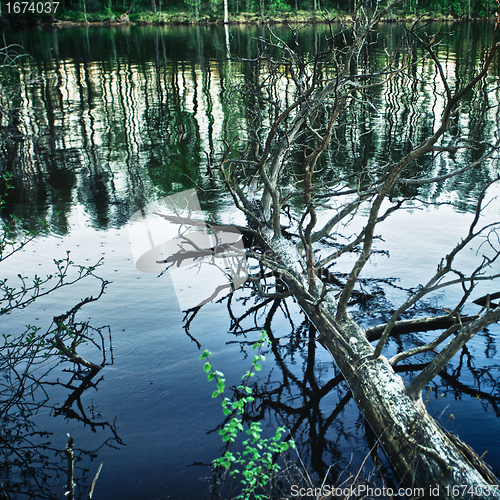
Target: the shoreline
pixel 184 19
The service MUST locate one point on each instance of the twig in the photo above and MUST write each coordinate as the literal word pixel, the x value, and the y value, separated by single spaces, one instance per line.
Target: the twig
pixel 91 492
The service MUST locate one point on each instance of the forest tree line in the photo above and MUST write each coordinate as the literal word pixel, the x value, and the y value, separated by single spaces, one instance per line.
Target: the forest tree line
pixel 459 8
pixel 214 10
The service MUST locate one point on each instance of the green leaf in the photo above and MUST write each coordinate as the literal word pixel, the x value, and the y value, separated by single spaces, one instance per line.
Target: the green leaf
pixel 221 385
pixel 207 367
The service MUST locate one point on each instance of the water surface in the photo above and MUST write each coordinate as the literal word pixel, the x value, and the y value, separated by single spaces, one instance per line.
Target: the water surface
pixel 111 120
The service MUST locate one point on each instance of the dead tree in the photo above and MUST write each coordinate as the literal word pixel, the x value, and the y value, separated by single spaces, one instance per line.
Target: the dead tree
pixel 305 119
pixel 277 162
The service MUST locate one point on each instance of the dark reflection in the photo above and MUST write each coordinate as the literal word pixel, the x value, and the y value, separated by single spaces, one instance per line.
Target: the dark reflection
pixel 174 139
pixel 43 373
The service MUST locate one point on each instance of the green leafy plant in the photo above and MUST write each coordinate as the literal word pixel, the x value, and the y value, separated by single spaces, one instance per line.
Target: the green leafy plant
pixel 280 6
pixel 109 14
pixel 256 464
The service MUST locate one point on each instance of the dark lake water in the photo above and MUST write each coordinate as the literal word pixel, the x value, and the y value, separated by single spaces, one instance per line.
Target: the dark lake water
pixel 109 122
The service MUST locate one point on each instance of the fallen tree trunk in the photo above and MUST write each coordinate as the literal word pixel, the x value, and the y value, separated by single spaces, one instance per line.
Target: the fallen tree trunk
pixel 420 451
pixel 309 99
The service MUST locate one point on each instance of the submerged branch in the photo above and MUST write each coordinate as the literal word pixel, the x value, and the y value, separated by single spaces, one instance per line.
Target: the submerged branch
pixel 417 325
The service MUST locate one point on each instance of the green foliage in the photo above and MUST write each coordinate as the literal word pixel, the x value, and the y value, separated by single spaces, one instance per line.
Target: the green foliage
pixel 7 177
pixel 215 6
pixel 280 6
pixel 256 464
pixel 109 13
pixel 459 8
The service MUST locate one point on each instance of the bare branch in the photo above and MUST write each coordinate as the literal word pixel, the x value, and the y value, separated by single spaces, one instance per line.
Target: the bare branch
pixel 444 268
pixel 428 347
pixel 439 362
pixel 454 173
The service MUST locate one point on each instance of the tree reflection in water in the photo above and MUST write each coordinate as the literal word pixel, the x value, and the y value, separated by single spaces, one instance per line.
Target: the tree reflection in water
pixel 290 397
pixel 38 371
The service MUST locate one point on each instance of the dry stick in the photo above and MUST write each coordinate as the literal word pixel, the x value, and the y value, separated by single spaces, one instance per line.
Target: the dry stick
pixel 91 492
pixel 418 325
pixel 76 358
pixel 454 173
pixel 428 347
pixel 3 491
